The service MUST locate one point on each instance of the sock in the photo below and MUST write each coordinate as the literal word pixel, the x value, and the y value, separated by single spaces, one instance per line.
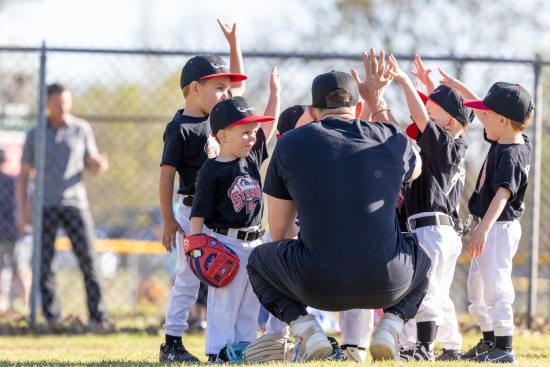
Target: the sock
pixel 172 339
pixel 293 312
pixel 426 331
pixel 489 336
pixel 504 342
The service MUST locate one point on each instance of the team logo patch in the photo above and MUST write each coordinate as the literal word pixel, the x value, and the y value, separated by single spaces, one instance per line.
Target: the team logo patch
pixel 243 110
pixel 218 66
pixel 245 192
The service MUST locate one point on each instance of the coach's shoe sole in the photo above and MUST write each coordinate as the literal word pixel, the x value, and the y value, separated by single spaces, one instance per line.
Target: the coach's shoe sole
pixel 385 341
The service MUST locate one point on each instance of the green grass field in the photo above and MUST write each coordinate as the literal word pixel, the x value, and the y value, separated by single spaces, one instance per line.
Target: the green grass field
pixel 532 349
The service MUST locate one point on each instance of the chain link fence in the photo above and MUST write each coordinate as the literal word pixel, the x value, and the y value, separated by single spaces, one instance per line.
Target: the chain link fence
pixel 129 96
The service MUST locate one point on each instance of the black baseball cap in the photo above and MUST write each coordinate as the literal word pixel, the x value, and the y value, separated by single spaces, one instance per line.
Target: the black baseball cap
pixel 206 66
pixel 509 100
pixel 289 117
pixel 452 102
pixel 325 83
pixel 233 111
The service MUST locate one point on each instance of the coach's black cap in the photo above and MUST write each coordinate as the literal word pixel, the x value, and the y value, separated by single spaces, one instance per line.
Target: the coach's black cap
pixel 325 83
pixel 206 66
pixel 452 102
pixel 289 117
pixel 509 100
pixel 233 111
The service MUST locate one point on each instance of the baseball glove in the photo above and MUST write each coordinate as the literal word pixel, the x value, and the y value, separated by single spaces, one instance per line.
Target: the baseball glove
pixel 268 348
pixel 215 264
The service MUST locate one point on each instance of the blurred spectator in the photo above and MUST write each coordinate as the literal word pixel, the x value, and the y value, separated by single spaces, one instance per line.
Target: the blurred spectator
pixel 70 150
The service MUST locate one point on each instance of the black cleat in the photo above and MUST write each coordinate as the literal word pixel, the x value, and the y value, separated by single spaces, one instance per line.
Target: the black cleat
pixel 421 353
pixel 176 352
pixel 481 348
pixel 497 355
pixel 448 355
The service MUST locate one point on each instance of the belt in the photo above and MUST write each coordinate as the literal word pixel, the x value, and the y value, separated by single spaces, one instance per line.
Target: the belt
pixel 240 235
pixel 188 200
pixel 431 220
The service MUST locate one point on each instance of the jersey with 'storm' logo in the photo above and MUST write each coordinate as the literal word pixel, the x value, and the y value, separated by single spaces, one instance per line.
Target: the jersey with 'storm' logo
pixel 229 194
pixel 439 187
pixel 506 165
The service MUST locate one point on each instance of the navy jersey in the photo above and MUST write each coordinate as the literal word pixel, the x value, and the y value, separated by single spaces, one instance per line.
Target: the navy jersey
pixel 506 165
pixel 344 177
pixel 229 194
pixel 439 187
pixel 187 145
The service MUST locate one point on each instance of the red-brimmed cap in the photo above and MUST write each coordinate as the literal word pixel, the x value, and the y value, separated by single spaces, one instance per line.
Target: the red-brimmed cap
pixel 204 67
pixel 234 111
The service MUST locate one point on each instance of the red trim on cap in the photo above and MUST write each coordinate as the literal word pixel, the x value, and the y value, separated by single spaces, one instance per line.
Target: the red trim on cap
pixel 234 77
pixel 424 97
pixel 252 118
pixel 476 104
pixel 412 131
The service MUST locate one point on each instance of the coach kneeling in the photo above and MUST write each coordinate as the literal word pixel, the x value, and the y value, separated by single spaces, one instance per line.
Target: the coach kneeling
pixel 350 253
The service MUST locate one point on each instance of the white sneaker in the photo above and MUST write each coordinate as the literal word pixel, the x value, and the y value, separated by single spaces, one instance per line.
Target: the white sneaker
pixel 310 341
pixel 385 341
pixel 354 353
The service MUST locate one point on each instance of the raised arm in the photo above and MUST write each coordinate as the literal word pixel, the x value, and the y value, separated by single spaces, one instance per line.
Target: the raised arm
pixel 236 65
pixel 372 87
pixel 273 107
pixel 423 74
pixel 417 108
pixel 454 83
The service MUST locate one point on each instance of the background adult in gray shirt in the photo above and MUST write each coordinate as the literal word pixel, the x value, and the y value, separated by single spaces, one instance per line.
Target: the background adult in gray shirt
pixel 70 149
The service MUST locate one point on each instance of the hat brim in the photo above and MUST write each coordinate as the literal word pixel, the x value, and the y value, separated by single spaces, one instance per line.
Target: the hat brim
pixel 476 104
pixel 252 118
pixel 423 97
pixel 234 77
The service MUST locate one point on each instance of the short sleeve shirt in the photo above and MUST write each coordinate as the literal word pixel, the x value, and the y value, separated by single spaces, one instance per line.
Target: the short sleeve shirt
pixel 187 144
pixel 229 194
pixel 506 165
pixel 66 148
pixel 344 177
pixel 439 187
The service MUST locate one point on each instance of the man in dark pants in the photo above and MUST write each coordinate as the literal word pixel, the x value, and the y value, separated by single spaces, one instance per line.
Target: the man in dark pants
pixel 70 149
pixel 343 183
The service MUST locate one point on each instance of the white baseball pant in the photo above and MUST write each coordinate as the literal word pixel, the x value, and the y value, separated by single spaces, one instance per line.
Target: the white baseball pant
pixel 232 311
pixel 186 285
pixel 490 289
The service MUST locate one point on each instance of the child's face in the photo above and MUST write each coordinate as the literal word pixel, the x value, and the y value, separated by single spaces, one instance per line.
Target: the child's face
pixel 491 122
pixel 212 91
pixel 239 140
pixel 437 114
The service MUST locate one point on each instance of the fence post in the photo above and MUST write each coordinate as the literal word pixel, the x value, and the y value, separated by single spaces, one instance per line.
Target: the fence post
pixel 38 194
pixel 535 178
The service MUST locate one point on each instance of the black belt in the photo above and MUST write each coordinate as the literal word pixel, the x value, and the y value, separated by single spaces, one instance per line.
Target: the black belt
pixel 188 200
pixel 432 220
pixel 242 235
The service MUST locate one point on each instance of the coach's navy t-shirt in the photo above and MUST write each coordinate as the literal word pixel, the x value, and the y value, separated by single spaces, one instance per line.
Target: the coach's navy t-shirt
pixel 187 145
pixel 344 177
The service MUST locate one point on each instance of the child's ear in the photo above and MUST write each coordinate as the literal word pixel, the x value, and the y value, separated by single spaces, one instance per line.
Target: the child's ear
pixel 194 88
pixel 451 124
pixel 222 136
pixel 312 113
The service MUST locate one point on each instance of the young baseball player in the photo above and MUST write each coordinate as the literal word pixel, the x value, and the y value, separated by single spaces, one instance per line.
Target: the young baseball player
pixel 205 80
pixel 355 325
pixel 228 201
pixel 497 204
pixel 432 202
